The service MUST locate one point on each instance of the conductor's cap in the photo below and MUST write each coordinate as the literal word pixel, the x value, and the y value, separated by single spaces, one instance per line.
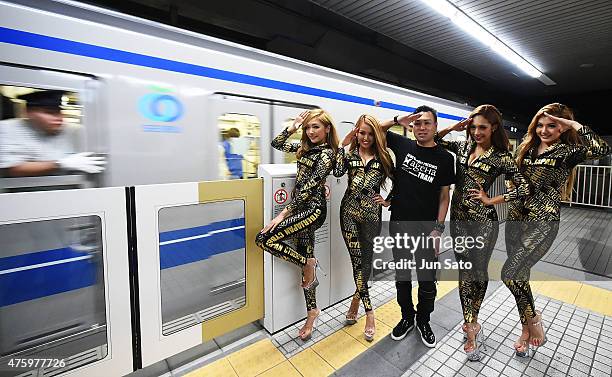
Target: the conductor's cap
pixel 51 99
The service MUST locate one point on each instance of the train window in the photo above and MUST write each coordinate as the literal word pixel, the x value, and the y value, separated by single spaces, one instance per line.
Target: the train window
pixel 202 262
pixel 295 138
pixel 19 145
pixel 52 302
pixel 239 146
pixel 400 130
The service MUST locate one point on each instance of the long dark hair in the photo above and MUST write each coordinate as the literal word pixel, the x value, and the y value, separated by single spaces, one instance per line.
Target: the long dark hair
pixel 499 139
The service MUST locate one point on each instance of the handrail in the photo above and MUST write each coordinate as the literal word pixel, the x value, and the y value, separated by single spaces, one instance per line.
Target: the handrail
pixel 592 186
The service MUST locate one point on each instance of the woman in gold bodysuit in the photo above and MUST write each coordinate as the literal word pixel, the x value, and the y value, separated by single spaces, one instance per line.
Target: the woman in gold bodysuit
pixel 306 213
pixel 551 149
pixel 480 160
pixel 364 156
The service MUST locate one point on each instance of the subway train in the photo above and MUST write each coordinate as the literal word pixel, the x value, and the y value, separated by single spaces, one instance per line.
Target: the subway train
pixel 159 103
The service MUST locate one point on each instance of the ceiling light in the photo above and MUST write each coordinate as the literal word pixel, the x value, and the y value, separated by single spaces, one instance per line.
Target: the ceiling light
pixel 470 26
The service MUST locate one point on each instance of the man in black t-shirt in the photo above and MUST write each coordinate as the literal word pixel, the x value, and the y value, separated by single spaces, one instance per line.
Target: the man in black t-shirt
pixel 419 202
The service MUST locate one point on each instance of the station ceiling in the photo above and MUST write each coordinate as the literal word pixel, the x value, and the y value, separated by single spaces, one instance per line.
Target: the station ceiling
pixel 570 41
pixel 407 43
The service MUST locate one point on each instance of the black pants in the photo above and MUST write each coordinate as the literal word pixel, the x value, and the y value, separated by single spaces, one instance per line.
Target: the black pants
pixel 426 276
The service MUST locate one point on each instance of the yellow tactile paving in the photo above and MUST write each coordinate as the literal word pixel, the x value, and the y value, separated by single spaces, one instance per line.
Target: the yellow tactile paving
pixel 256 358
pixel 356 331
pixel 219 368
pixel 310 364
pixel 595 299
pixel 565 291
pixel 338 349
pixel 389 313
pixel 444 287
pixel 284 369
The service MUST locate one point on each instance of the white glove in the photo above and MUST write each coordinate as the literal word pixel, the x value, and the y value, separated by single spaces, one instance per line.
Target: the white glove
pixel 83 161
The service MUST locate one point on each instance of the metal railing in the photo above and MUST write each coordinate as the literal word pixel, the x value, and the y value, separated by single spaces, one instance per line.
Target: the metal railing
pixel 498 188
pixel 592 186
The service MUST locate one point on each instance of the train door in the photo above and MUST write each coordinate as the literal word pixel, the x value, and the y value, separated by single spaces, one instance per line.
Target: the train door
pixel 283 116
pixel 243 126
pixel 79 133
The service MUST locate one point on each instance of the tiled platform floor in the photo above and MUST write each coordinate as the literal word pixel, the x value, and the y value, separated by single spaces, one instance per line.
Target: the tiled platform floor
pixel 579 343
pixel 330 321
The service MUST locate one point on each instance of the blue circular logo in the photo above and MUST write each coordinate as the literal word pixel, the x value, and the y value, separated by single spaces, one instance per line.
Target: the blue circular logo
pixel 160 107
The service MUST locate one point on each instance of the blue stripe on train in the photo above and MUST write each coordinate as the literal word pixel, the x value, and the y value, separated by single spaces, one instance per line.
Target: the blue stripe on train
pixel 45 42
pixel 195 250
pixel 19 286
pixel 190 232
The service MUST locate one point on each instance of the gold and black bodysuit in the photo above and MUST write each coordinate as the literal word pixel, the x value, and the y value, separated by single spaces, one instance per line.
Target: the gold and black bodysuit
pixel 472 218
pixel 533 221
pixel 360 216
pixel 307 210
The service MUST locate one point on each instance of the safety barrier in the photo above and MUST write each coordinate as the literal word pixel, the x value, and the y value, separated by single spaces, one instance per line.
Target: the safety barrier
pixel 178 262
pixel 63 260
pixel 498 188
pixel 592 186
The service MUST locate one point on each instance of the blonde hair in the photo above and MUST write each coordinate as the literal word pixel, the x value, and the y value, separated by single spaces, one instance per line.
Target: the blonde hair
pixel 531 140
pixel 332 136
pixel 380 146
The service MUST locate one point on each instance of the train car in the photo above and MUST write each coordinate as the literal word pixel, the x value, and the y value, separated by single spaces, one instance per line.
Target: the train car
pixel 163 105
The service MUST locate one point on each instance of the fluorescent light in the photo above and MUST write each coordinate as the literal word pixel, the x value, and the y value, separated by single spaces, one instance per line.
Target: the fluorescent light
pixel 467 24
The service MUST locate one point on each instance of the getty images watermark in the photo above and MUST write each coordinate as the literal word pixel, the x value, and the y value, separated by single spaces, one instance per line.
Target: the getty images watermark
pixel 404 243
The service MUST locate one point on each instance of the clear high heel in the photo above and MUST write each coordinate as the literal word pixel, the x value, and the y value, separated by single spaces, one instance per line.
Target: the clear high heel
pixel 530 349
pixel 521 346
pixel 307 335
pixel 369 332
pixel 474 354
pixel 539 322
pixel 315 281
pixel 351 317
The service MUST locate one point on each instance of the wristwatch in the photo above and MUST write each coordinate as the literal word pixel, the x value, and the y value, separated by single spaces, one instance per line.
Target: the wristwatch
pixel 439 227
pixel 395 120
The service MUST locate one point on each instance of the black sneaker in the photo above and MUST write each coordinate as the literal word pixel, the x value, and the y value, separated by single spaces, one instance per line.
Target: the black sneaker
pixel 427 336
pixel 402 328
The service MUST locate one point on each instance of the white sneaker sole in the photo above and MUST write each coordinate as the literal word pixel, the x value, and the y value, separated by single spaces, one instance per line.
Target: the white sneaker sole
pixel 425 342
pixel 403 335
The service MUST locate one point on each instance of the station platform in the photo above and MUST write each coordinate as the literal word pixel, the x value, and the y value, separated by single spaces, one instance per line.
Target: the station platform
pixel 572 286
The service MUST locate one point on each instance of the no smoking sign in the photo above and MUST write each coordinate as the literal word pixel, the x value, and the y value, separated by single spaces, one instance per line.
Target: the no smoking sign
pixel 280 196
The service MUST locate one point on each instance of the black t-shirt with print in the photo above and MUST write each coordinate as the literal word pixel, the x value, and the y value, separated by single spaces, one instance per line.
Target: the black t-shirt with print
pixel 419 174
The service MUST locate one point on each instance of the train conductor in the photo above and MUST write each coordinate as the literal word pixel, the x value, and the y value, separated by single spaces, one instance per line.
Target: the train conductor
pixel 39 144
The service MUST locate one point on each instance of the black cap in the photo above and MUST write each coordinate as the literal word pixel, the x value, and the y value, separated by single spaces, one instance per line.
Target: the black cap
pixel 44 98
